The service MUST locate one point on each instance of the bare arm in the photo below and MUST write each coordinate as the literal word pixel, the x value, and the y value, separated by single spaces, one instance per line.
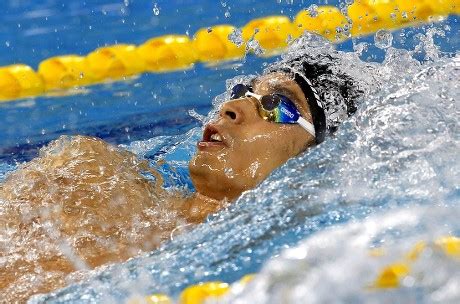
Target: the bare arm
pixel 81 204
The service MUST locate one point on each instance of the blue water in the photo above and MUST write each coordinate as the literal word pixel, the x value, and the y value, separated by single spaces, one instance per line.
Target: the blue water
pixel 32 31
pixel 238 241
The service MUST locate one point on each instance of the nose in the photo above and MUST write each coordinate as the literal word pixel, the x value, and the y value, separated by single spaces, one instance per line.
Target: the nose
pixel 233 110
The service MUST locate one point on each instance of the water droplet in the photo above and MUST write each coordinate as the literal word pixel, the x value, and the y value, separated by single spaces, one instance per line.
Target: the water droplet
pixel 7 43
pixel 197 116
pixel 236 37
pixel 126 2
pixel 209 29
pixel 254 45
pixel 313 10
pixel 43 132
pixel 360 48
pixel 383 39
pixel 156 9
pixel 228 172
pixel 227 14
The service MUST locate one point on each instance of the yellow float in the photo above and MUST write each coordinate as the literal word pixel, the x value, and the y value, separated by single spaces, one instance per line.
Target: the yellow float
pixel 272 33
pixel 19 80
pixel 328 21
pixel 213 44
pixel 64 72
pixel 114 62
pixel 450 245
pixel 444 7
pixel 197 294
pixel 166 53
pixel 391 275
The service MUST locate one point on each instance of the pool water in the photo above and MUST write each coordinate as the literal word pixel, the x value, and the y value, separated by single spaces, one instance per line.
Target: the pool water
pixel 397 157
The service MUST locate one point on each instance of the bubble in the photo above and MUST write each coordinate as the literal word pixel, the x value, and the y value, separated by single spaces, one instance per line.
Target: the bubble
pixel 383 39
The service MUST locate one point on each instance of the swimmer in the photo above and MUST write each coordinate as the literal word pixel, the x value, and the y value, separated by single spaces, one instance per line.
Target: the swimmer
pixel 83 203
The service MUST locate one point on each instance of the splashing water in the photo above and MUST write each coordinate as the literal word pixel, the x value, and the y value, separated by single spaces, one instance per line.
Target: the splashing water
pixel 254 46
pixel 350 258
pixel 399 153
pixel 383 39
pixel 236 36
pixel 313 10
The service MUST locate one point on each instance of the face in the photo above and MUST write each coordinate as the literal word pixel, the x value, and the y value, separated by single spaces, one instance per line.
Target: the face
pixel 240 149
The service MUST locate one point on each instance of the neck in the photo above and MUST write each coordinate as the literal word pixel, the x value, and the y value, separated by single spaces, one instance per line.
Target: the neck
pixel 198 207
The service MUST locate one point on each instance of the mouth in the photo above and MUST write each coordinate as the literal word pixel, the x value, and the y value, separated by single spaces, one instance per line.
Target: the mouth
pixel 212 138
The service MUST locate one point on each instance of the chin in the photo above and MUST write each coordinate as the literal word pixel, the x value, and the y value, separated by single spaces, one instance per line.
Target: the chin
pixel 210 179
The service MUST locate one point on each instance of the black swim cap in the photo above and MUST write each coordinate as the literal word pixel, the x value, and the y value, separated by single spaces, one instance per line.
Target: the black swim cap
pixel 331 93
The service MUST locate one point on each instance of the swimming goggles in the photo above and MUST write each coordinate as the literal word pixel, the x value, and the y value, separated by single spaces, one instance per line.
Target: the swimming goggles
pixel 274 107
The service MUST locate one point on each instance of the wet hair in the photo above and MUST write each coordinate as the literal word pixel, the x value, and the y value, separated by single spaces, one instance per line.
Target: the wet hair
pixel 331 93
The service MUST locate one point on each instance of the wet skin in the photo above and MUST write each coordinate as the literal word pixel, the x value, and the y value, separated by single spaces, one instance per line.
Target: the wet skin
pixel 251 147
pixel 101 206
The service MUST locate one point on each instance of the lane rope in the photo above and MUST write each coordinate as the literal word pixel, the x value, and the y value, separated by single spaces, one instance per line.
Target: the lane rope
pixel 390 276
pixel 212 45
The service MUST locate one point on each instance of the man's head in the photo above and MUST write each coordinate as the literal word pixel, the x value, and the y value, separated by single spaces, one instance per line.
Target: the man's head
pixel 251 147
pixel 240 148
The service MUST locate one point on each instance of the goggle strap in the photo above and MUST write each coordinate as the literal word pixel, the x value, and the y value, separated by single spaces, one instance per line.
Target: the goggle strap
pixel 313 100
pixel 306 125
